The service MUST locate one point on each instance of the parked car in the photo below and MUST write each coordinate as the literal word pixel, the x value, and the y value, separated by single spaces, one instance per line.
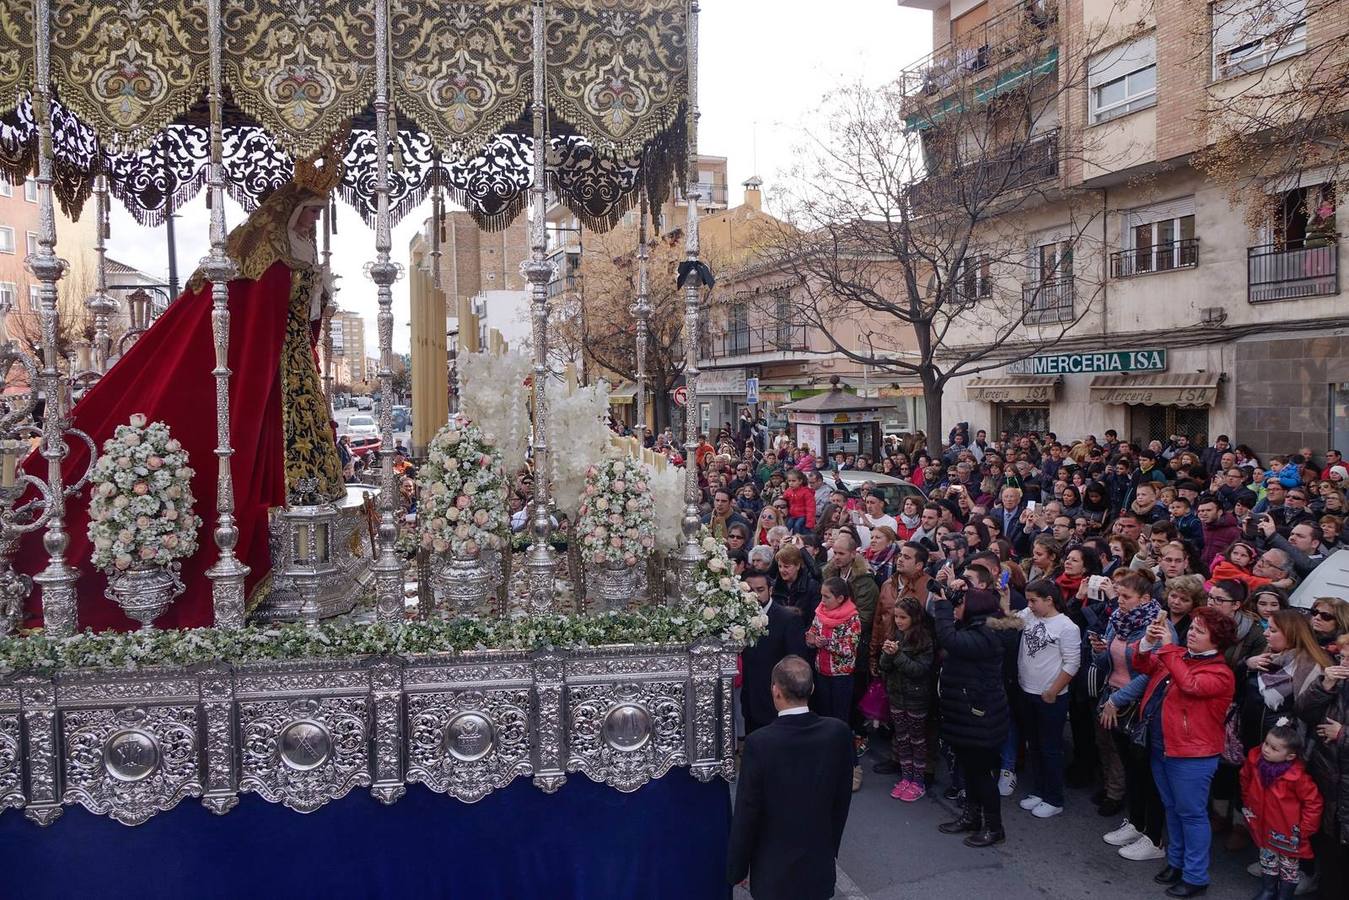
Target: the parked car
pixel 364 402
pixel 894 489
pixel 365 443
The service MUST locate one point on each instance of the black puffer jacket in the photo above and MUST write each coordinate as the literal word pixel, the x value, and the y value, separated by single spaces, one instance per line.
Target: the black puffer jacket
pixel 972 696
pixel 1328 761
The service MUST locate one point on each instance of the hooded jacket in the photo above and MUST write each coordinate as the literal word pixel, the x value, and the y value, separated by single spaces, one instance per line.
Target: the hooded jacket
pixel 971 688
pixel 1284 814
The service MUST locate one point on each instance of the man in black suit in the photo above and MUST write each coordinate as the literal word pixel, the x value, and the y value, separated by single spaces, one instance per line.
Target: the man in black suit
pixel 791 802
pixel 786 635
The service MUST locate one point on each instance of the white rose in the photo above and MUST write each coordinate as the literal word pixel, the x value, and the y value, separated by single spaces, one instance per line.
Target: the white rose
pixel 759 622
pixel 709 545
pixel 709 613
pixel 737 632
pixel 138 420
pixel 716 564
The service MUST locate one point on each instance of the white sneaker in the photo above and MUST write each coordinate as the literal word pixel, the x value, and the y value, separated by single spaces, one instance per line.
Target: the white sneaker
pixel 1030 803
pixel 1255 869
pixel 1123 836
pixel 1142 849
pixel 1046 811
pixel 1007 783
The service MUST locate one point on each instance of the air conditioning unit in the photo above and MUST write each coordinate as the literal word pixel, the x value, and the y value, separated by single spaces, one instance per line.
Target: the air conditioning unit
pixel 1212 315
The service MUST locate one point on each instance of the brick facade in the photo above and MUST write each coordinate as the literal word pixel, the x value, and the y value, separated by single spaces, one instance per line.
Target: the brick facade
pixel 1283 390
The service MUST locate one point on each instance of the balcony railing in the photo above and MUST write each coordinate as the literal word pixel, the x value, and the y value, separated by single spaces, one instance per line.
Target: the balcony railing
pixel 761 339
pixel 1182 254
pixel 708 193
pixel 1293 269
pixel 1035 161
pixel 982 47
pixel 1048 301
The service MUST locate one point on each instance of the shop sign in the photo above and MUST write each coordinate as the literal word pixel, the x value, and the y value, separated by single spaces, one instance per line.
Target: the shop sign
pixel 1030 394
pixel 751 390
pixel 838 418
pixel 1091 363
pixel 722 382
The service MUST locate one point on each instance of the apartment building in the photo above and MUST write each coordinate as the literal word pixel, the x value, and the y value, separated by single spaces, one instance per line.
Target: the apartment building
pixel 348 332
pixel 1194 308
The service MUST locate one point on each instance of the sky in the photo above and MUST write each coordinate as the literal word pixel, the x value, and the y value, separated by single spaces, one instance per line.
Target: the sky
pixel 764 67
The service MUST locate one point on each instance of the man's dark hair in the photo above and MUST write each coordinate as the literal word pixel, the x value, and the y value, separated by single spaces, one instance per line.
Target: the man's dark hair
pixel 722 490
pixel 920 552
pixel 738 555
pixel 753 574
pixel 1208 498
pixel 935 507
pixel 793 678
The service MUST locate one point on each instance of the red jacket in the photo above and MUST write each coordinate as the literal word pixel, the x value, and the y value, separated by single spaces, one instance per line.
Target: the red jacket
pixel 1283 816
pixel 1195 707
pixel 801 504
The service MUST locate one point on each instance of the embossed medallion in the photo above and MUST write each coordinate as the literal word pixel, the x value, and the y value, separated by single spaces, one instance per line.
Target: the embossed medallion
pixel 469 737
pixel 131 755
pixel 305 745
pixel 627 727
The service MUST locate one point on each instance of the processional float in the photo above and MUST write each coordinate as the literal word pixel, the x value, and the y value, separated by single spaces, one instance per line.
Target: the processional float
pixel 493 104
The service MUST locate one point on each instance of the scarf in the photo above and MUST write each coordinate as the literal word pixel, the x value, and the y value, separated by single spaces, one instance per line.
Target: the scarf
pixel 1069 585
pixel 1126 623
pixel 909 522
pixel 832 618
pixel 881 559
pixel 1271 772
pixel 1276 685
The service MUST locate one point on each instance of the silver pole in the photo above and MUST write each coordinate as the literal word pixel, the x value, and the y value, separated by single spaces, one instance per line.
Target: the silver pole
pixel 541 563
pixel 388 568
pixel 100 303
pixel 690 554
pixel 642 312
pixel 228 574
pixel 57 580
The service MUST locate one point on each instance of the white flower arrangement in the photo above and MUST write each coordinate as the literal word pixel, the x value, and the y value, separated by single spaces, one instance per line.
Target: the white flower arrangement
pixel 462 505
pixel 616 522
pixel 727 604
pixel 495 395
pixel 140 510
pixel 667 496
pixel 577 434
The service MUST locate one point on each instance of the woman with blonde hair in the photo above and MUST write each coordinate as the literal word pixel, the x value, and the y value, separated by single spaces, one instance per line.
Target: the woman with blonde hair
pixel 769 518
pixel 1181 597
pixel 1277 678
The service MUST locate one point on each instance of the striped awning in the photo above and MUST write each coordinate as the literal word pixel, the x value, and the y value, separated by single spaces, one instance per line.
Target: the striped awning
pixel 1013 389
pixel 1162 389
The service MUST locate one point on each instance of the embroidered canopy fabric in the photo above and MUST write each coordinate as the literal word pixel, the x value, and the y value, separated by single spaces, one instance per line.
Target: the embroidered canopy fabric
pixel 129 78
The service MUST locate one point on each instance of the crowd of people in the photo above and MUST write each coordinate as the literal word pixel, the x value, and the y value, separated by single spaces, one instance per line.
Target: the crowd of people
pixel 1044 614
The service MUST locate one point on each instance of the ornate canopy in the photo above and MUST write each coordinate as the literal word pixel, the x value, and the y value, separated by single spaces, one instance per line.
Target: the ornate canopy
pixel 129 79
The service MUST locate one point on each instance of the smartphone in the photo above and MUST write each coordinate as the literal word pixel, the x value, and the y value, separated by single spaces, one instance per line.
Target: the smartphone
pixel 1094 587
pixel 1030 505
pixel 1002 582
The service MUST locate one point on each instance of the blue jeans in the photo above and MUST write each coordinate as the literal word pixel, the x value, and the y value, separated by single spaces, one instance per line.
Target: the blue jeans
pixel 1043 723
pixel 1184 784
pixel 797 524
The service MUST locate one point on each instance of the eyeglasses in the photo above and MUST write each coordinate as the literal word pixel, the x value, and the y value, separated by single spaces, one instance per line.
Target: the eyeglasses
pixel 735 537
pixel 1323 615
pixel 1216 598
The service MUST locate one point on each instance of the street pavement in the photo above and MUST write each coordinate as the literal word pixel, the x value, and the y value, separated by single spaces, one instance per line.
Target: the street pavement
pixel 893 851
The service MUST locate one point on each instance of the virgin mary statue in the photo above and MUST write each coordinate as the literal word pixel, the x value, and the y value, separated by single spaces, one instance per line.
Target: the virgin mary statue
pixel 279 420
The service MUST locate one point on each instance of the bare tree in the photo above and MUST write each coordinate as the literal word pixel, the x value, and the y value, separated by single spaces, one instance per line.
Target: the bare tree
pixel 1280 101
pixel 912 249
pixel 597 321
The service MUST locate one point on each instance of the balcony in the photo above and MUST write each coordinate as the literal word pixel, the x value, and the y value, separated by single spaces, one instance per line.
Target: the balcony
pixel 764 339
pixel 709 194
pixel 1293 269
pixel 1182 254
pixel 982 50
pixel 1037 160
pixel 1047 302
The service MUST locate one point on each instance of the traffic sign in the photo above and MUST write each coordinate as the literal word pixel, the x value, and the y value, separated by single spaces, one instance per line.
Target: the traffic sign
pixel 681 396
pixel 751 390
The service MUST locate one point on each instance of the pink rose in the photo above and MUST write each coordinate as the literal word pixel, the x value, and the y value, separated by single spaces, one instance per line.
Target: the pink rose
pixel 462 501
pixel 590 489
pixel 616 541
pixel 170 541
pixel 620 485
pixel 147 552
pixel 641 486
pixel 630 560
pixel 154 462
pixel 600 557
pixel 141 488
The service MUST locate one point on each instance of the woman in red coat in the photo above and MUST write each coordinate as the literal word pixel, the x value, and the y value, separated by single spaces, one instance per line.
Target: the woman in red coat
pixel 1184 710
pixel 1282 808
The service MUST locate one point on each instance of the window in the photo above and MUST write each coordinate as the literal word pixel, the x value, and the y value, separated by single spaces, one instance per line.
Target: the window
pixel 32 243
pixel 1123 79
pixel 1156 238
pixel 6 239
pixel 9 295
pixel 972 279
pixel 1053 262
pixel 30 190
pixel 1251 34
pixel 6 189
pixel 1048 297
pixel 34 297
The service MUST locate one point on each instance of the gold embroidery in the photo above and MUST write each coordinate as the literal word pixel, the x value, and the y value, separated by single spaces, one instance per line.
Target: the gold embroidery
pixel 310 450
